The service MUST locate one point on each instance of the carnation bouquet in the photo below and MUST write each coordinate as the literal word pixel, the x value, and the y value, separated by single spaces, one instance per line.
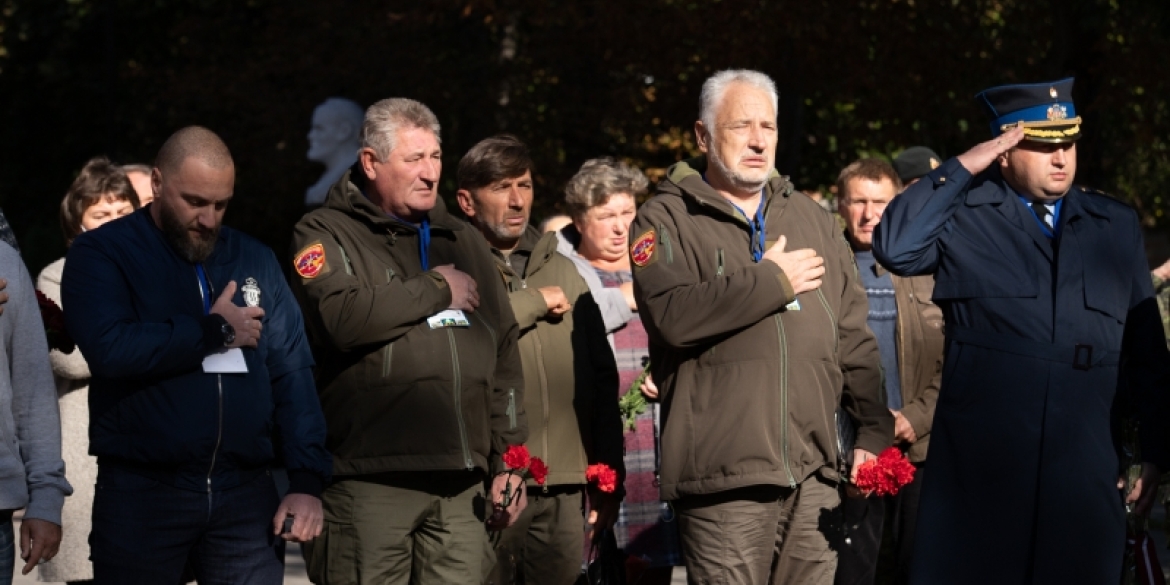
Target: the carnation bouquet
pixel 519 462
pixel 603 476
pixel 886 474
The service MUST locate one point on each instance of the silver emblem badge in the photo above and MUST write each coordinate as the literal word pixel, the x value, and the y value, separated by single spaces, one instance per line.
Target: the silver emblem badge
pixel 1052 92
pixel 251 292
pixel 1057 112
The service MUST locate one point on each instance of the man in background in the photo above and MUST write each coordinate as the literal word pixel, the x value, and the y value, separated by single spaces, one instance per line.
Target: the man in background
pixel 139 176
pixel 570 377
pixel 914 162
pixel 909 332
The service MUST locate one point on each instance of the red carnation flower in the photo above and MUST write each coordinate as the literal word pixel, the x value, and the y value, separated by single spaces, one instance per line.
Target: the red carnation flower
pixel 516 457
pixel 538 470
pixel 603 475
pixel 885 475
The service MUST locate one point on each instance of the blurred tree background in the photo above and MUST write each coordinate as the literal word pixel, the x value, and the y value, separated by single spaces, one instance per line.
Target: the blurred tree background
pixel 575 79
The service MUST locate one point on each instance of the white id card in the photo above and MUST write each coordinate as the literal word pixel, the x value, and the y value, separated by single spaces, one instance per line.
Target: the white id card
pixel 448 318
pixel 228 361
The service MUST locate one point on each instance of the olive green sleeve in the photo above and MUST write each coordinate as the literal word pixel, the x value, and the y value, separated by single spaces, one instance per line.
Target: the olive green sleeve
pixel 529 306
pixel 345 311
pixel 681 309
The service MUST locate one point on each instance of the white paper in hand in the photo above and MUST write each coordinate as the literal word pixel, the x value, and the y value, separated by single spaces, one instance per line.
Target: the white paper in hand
pixel 228 361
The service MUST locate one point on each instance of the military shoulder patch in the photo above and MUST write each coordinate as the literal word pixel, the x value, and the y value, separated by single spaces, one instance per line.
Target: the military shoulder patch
pixel 642 250
pixel 310 262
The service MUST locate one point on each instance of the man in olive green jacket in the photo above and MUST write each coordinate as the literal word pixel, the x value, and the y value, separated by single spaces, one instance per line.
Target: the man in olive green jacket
pixel 418 370
pixel 570 377
pixel 757 327
pixel 909 332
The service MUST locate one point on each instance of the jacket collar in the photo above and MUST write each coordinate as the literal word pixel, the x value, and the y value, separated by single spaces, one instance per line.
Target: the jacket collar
pixel 1077 201
pixel 990 188
pixel 685 179
pixel 539 247
pixel 345 196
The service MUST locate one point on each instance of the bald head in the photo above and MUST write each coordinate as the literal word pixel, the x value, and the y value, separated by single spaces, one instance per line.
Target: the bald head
pixel 193 141
pixel 193 181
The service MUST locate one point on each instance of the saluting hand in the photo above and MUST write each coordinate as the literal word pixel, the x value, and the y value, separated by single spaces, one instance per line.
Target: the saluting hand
pixel 803 268
pixel 979 158
pixel 245 320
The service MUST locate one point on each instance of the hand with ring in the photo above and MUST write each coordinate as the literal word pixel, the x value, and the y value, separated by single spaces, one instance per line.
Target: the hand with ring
pixel 984 154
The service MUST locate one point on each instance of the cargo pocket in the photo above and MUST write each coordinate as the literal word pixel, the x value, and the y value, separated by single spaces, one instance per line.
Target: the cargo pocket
pixel 332 557
pixel 815 531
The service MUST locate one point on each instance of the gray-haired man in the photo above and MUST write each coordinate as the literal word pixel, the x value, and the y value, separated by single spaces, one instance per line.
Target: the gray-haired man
pixel 757 326
pixel 419 374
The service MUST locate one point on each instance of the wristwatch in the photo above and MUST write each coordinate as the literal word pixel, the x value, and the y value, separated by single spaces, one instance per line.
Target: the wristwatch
pixel 228 332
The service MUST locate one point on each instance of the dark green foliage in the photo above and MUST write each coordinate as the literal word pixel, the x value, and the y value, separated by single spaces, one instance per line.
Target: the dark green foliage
pixel 575 79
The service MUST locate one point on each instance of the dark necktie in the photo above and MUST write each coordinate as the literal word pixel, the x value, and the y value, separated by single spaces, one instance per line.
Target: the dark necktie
pixel 1042 213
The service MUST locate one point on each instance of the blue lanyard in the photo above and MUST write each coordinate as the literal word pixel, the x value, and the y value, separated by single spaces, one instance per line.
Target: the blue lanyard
pixel 204 288
pixel 758 237
pixel 424 243
pixel 424 237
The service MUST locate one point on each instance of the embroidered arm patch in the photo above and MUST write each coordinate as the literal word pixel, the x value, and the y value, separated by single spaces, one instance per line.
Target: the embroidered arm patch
pixel 643 250
pixel 310 262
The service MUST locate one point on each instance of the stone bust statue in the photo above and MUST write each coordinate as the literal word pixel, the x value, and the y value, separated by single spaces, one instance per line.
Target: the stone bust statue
pixel 333 141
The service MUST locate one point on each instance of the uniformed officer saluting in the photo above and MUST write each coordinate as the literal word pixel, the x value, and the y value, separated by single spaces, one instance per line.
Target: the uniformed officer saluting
pixel 1045 291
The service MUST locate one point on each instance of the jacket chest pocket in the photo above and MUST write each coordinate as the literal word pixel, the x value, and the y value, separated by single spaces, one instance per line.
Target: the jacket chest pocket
pixel 1108 295
pixel 922 293
pixel 1107 285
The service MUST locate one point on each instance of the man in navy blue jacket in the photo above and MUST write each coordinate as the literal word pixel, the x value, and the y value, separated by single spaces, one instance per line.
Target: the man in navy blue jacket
pixel 199 361
pixel 1047 299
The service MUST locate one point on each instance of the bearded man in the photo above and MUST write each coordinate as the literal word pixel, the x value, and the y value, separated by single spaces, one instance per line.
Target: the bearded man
pixel 199 360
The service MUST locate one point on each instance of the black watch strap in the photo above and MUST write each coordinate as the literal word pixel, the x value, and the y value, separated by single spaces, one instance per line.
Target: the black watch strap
pixel 213 332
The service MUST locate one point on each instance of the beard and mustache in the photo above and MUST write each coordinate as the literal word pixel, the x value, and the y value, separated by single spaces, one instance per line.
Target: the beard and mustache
pixel 192 247
pixel 741 180
pixel 505 233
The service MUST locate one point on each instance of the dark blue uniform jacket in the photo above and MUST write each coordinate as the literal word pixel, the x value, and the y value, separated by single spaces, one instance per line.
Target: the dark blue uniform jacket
pixel 137 314
pixel 1021 486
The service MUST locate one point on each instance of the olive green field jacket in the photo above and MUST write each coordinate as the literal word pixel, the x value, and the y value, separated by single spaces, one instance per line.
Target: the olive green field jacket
pixel 570 376
pixel 398 393
pixel 749 374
